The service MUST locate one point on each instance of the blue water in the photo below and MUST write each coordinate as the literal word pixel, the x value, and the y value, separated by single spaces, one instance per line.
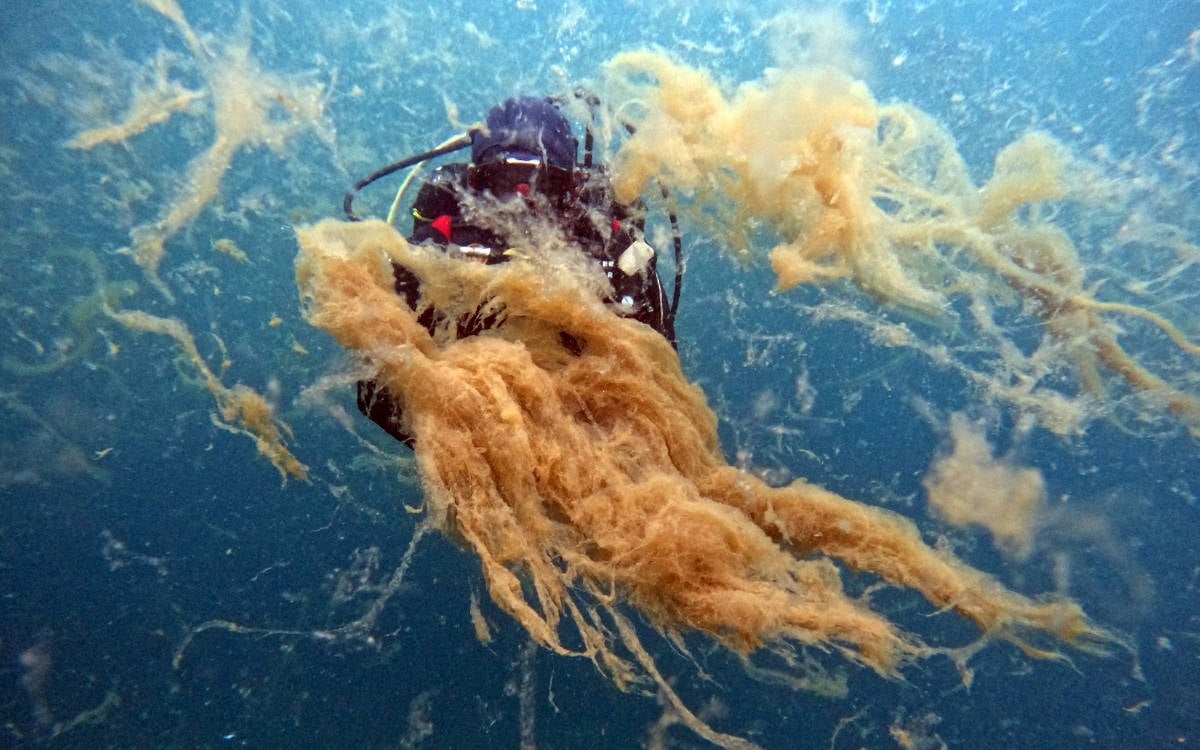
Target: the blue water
pixel 127 519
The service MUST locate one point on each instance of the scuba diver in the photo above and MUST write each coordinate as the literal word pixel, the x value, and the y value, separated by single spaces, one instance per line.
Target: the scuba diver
pixel 524 165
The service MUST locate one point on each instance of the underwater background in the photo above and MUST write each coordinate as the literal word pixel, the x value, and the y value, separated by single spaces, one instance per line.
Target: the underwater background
pixel 161 587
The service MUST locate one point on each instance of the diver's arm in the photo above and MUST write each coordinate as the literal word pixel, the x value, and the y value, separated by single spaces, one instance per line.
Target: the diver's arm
pixel 435 209
pixel 640 294
pixel 378 404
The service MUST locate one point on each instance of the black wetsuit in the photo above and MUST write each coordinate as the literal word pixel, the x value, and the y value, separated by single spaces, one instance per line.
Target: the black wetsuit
pixel 438 219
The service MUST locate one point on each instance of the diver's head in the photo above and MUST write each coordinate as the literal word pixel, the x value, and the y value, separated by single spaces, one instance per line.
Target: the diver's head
pixel 527 146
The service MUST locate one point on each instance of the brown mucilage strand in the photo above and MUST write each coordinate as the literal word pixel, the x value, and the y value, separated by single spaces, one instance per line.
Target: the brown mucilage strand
pixel 879 195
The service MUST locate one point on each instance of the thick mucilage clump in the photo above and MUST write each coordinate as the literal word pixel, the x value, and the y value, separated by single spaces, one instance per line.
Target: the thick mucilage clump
pixel 598 477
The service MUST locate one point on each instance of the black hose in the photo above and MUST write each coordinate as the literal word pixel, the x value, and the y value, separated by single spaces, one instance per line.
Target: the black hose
pixel 677 241
pixel 456 145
